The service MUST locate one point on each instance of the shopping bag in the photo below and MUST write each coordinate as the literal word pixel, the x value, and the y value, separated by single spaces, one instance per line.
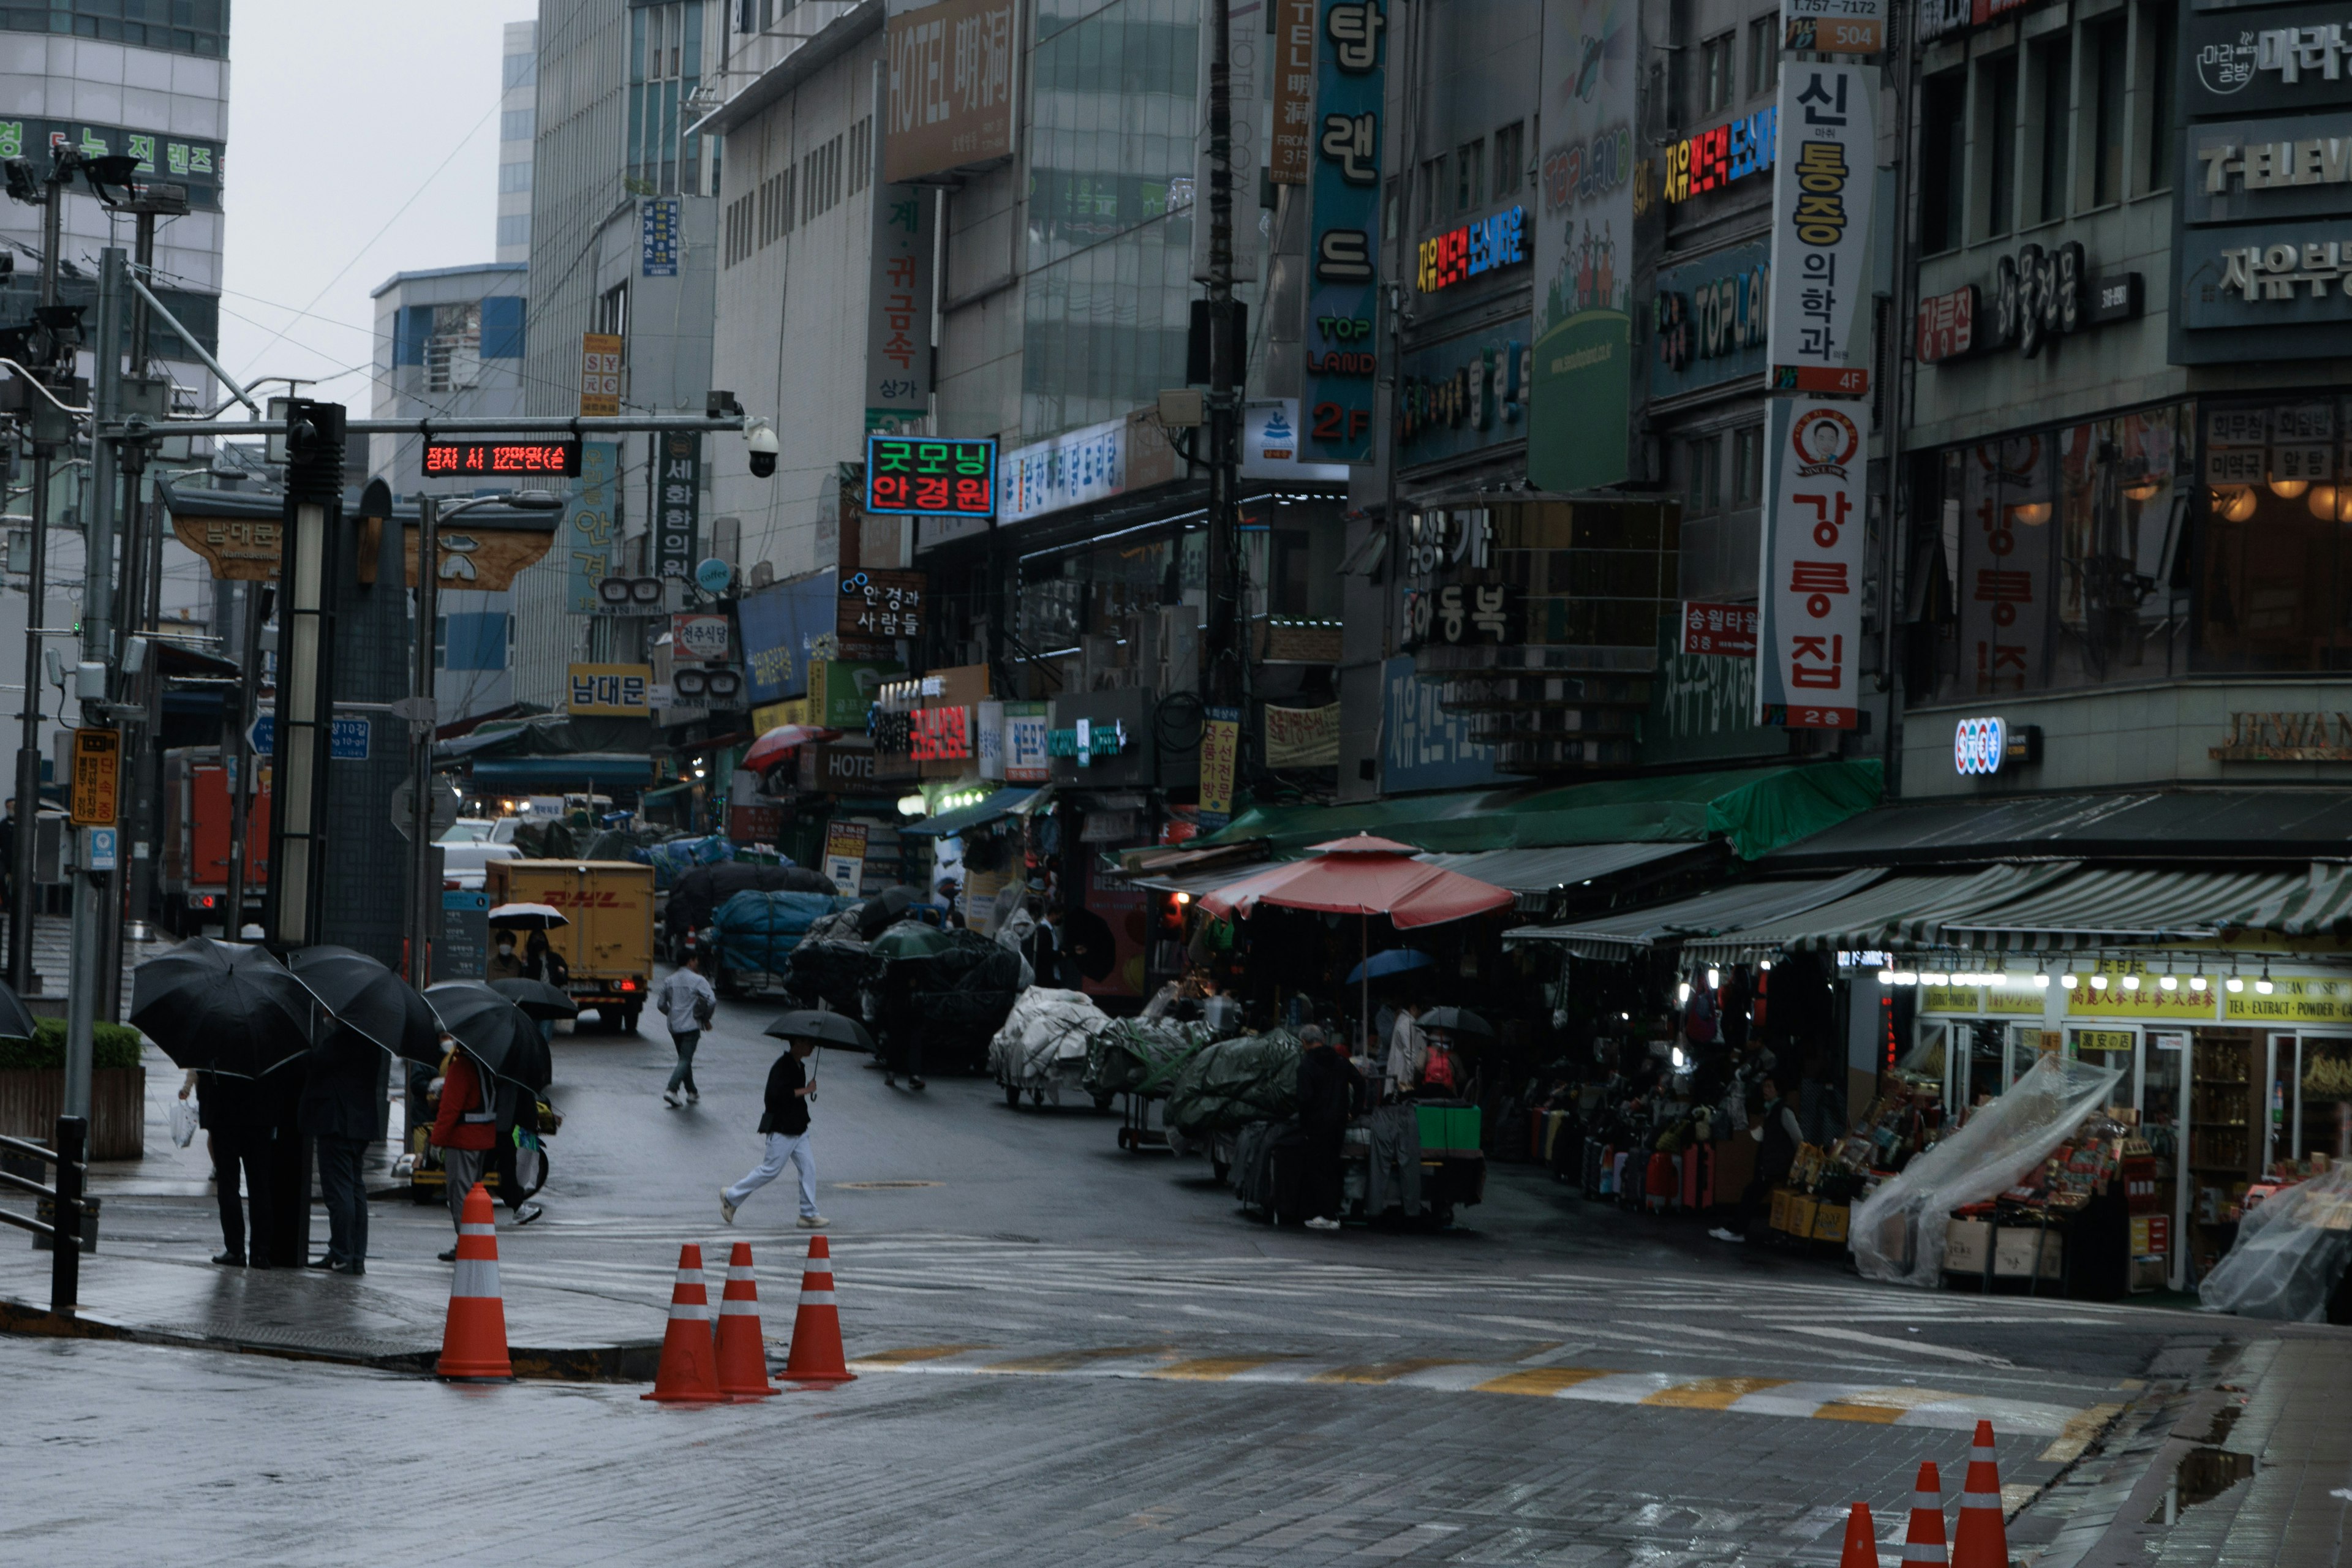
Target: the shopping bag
pixel 183 1122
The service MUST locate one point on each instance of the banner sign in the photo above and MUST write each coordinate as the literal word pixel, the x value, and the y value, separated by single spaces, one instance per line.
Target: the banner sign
pixel 1579 400
pixel 1221 739
pixel 591 531
pixel 1809 641
pixel 658 237
pixel 1343 298
pixel 898 308
pixel 1821 229
pixel 1423 746
pixel 845 855
pixel 1302 737
pixel 1290 148
pixel 677 485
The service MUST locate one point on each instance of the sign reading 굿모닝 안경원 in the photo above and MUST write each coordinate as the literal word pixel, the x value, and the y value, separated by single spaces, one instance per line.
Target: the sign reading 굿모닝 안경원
pixel 446 455
pixel 927 476
pixel 1821 229
pixel 1809 635
pixel 1343 260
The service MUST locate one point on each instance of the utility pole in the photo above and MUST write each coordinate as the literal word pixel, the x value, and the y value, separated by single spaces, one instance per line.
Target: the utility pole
pixel 305 646
pixel 424 887
pixel 256 605
pixel 28 750
pixel 1228 654
pixel 93 680
pixel 142 574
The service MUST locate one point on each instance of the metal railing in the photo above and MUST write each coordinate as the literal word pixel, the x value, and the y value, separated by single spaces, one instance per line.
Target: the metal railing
pixel 64 1228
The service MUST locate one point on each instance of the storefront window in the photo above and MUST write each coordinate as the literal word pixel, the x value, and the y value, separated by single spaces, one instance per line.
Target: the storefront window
pixel 2122 597
pixel 2272 562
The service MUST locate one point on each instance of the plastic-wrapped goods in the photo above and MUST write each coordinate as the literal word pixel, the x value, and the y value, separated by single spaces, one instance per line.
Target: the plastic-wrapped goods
pixel 833 970
pixel 758 931
pixel 1045 1040
pixel 1138 1056
pixel 2289 1252
pixel 1897 1232
pixel 968 986
pixel 1229 1084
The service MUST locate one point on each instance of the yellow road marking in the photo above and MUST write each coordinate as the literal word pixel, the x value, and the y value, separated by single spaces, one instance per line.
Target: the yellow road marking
pixel 1542 1381
pixel 1212 1368
pixel 914 1353
pixel 1383 1371
pixel 1839 1410
pixel 1712 1393
pixel 2079 1433
pixel 1070 1361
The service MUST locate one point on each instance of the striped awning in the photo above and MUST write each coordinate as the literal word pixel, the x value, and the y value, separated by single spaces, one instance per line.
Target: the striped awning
pixel 1623 934
pixel 2316 904
pixel 1900 912
pixel 2097 908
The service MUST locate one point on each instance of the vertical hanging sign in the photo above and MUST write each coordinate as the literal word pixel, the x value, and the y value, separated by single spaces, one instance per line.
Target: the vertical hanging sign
pixel 1343 298
pixel 676 504
pixel 1290 147
pixel 590 528
pixel 898 310
pixel 1580 434
pixel 1809 641
pixel 1821 229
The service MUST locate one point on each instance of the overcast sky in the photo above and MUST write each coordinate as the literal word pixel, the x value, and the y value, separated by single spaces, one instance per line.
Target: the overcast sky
pixel 339 115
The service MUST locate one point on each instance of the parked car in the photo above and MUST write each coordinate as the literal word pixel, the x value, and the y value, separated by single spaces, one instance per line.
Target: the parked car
pixel 471 843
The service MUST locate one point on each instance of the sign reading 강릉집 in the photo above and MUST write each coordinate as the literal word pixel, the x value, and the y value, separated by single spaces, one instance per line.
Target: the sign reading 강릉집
pixel 1809 641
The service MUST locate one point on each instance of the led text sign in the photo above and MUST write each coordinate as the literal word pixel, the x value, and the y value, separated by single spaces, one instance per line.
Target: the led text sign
pixel 927 477
pixel 1474 249
pixel 1713 159
pixel 444 455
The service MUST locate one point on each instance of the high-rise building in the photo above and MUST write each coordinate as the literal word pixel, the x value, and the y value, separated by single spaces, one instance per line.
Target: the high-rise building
pixel 518 111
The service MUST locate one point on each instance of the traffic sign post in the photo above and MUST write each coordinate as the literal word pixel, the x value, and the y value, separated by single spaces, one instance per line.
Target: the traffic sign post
pixel 97 778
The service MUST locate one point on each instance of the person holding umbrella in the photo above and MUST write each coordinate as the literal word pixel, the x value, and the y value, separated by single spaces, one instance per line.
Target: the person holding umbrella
pixel 785 1112
pixel 463 1129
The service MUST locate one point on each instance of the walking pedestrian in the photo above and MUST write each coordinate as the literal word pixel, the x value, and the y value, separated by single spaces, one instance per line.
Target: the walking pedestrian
pixel 1328 1090
pixel 237 1113
pixel 517 1106
pixel 543 963
pixel 1778 1132
pixel 463 1129
pixel 505 965
pixel 338 1110
pixel 784 1123
pixel 687 1003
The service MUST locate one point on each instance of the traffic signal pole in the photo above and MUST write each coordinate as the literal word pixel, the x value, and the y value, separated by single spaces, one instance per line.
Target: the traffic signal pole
pixel 97 670
pixel 423 901
pixel 1227 629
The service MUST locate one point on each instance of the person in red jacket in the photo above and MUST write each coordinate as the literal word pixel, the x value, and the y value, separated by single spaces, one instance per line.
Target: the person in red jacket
pixel 464 1130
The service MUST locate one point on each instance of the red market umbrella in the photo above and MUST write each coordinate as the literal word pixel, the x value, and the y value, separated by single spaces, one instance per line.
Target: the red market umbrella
pixel 769 749
pixel 1361 875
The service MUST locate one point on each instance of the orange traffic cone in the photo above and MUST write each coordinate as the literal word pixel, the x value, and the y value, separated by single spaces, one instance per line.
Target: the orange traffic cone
pixel 1924 1541
pixel 473 1337
pixel 1862 1540
pixel 816 1329
pixel 1982 1540
pixel 688 1372
pixel 742 1353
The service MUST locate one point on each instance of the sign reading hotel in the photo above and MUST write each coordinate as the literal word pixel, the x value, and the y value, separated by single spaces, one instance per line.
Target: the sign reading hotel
pixel 1808 643
pixel 1819 337
pixel 950 87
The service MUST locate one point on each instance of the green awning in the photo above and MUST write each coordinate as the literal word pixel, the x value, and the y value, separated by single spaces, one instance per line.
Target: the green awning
pixel 1617 935
pixel 2114 907
pixel 1898 913
pixel 1756 809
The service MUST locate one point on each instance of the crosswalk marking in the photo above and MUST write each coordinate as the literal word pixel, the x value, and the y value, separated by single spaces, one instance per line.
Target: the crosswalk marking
pixel 1939 1409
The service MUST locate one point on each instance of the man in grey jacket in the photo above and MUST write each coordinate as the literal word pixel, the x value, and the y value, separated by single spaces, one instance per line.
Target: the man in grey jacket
pixel 687 1003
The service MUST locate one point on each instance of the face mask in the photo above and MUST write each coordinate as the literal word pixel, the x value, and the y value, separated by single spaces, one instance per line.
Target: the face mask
pixel 506 950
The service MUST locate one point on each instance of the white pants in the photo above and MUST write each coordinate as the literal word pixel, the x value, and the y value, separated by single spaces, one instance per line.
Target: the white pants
pixel 783 1148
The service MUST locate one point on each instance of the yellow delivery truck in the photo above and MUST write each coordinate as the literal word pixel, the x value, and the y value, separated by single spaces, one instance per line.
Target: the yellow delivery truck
pixel 609 945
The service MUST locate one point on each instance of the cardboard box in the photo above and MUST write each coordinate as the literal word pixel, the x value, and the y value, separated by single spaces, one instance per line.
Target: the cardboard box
pixel 1801 1212
pixel 2013 1250
pixel 1778 1219
pixel 1829 1222
pixel 1965 1241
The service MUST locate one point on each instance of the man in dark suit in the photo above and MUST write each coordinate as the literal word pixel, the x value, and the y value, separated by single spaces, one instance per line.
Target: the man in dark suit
pixel 240 1114
pixel 338 1112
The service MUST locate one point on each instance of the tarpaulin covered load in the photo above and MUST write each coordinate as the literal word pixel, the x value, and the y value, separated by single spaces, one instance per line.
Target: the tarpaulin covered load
pixel 699 892
pixel 1043 1042
pixel 968 985
pixel 2289 1252
pixel 1898 1231
pixel 1137 1055
pixel 1234 1082
pixel 833 970
pixel 758 931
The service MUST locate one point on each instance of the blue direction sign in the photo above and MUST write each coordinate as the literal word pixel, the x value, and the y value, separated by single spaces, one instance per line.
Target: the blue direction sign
pixel 348 744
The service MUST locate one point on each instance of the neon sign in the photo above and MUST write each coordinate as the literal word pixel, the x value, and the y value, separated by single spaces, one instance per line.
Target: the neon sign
pixel 445 455
pixel 1732 151
pixel 1474 249
pixel 928 477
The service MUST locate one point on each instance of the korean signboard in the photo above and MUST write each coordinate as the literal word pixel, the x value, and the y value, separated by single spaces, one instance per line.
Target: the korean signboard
pixel 1423 746
pixel 1460 397
pixel 2284 57
pixel 898 308
pixel 1819 338
pixel 1712 160
pixel 1471 250
pixel 460 457
pixel 930 476
pixel 1343 258
pixel 940 735
pixel 845 855
pixel 835 770
pixel 1245 55
pixel 1577 433
pixel 950 87
pixel 785 627
pixel 1221 739
pixel 1729 630
pixel 1809 635
pixel 1709 320
pixel 591 528
pixel 600 375
pixel 880 608
pixel 97 778
pixel 1302 737
pixel 700 636
pixel 615 690
pixel 175 160
pixel 1027 752
pixel 657 237
pixel 1270 443
pixel 1290 151
pixel 1947 326
pixel 676 481
pixel 1833 26
pixel 1491 616
pixel 2249 169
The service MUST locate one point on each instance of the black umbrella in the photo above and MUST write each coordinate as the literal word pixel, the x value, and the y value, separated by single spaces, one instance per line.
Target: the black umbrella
pixel 492 1030
pixel 537 997
pixel 15 1023
pixel 827 1028
pixel 1458 1021
pixel 370 999
pixel 224 1007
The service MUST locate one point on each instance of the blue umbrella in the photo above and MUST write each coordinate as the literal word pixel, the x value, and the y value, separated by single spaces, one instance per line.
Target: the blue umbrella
pixel 1394 960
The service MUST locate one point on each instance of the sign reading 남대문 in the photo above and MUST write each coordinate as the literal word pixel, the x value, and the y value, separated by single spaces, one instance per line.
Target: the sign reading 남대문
pixel 1809 638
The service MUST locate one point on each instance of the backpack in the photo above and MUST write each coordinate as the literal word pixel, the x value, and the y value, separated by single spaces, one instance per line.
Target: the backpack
pixel 1437 1068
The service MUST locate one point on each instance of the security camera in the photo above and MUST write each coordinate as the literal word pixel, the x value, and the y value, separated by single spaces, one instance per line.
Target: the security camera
pixel 763 442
